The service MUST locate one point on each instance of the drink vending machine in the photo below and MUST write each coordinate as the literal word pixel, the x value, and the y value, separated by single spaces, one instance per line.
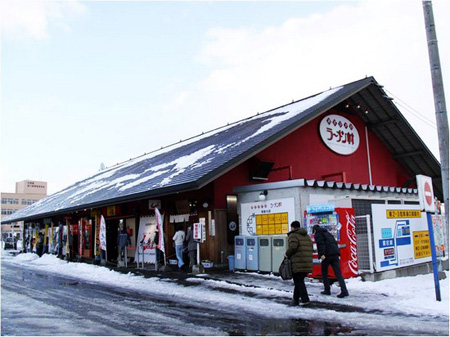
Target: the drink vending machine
pixel 340 222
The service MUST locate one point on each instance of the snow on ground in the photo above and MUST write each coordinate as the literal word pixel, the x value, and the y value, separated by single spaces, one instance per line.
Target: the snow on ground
pixel 399 297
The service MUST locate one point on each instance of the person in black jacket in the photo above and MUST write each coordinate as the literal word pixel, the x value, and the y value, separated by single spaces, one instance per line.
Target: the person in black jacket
pixel 123 240
pixel 300 252
pixel 328 252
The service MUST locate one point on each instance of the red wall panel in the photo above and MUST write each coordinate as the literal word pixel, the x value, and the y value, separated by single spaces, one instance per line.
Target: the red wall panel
pixel 309 158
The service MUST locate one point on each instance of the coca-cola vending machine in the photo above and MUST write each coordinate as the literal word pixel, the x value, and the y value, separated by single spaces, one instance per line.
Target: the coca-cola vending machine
pixel 340 222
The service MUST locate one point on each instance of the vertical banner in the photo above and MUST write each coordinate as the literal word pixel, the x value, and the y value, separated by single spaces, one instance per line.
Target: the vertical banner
pixel 36 238
pixel 51 242
pixel 80 237
pixel 102 233
pixel 97 237
pixel 66 235
pixel 46 235
pixel 160 227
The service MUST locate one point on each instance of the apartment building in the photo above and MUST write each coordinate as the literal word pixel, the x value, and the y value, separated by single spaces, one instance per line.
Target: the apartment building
pixel 27 193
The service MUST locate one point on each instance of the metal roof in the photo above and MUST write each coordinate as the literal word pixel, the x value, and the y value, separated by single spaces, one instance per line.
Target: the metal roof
pixel 193 163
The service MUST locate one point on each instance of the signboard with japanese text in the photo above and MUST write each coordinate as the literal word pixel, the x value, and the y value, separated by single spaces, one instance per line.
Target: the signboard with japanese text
pixel 400 235
pixel 267 217
pixel 203 223
pixel 421 244
pixel 199 230
pixel 339 134
pixel 439 235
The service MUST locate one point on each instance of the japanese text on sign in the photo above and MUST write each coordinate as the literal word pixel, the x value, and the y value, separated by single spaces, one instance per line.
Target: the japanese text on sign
pixel 339 134
pixel 421 244
pixel 403 213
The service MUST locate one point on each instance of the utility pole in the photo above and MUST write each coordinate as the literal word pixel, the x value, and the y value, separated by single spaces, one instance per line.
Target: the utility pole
pixel 439 100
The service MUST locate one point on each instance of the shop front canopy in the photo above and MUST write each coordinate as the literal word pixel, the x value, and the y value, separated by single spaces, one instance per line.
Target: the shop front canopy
pixel 195 162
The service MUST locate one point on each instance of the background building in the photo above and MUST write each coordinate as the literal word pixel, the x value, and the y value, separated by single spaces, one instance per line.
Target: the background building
pixel 27 193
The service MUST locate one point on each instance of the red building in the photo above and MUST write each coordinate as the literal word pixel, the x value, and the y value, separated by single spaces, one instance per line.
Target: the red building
pixel 347 141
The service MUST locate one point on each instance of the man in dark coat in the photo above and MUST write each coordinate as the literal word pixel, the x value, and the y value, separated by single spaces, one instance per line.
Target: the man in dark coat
pixel 192 247
pixel 300 252
pixel 328 253
pixel 159 255
pixel 123 240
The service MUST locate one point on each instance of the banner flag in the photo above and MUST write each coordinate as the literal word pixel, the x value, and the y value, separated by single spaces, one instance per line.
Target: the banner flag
pixel 102 233
pixel 51 242
pixel 160 226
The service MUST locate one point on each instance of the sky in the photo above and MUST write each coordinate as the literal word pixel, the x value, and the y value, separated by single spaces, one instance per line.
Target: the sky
pixel 85 83
pixel 414 305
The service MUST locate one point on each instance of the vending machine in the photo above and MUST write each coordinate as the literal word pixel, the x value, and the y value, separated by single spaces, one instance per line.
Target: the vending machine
pixel 340 222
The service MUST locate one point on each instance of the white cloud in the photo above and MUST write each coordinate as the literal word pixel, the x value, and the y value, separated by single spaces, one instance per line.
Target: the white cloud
pixel 253 71
pixel 32 18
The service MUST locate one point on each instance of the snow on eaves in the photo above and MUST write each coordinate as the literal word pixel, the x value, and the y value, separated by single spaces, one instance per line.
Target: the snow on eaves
pixel 177 164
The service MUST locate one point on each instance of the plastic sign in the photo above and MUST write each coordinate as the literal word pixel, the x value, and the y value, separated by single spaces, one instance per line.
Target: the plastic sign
pixel 322 208
pixel 400 237
pixel 197 231
pixel 339 134
pixel 426 195
pixel 269 217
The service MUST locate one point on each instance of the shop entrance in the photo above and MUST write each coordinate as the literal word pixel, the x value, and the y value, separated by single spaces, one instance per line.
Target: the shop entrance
pixel 112 232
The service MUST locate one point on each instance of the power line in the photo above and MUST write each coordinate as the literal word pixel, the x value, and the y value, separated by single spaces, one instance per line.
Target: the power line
pixel 413 111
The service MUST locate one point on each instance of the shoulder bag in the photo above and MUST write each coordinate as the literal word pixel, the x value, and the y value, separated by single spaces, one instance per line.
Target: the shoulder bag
pixel 285 269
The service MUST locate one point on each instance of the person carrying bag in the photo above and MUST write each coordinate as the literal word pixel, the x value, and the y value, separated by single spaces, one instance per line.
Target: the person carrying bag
pixel 285 269
pixel 300 254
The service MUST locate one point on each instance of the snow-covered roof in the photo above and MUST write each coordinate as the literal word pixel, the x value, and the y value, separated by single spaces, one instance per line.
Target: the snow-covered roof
pixel 189 164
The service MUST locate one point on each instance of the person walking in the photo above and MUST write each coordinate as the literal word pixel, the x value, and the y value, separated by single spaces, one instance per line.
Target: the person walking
pixel 328 253
pixel 300 252
pixel 192 247
pixel 159 256
pixel 123 240
pixel 178 238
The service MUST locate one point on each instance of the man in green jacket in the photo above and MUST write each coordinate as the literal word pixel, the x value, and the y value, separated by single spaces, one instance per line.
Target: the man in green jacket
pixel 300 252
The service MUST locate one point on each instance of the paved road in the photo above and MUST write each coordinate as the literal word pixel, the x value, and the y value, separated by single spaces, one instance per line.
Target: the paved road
pixel 35 302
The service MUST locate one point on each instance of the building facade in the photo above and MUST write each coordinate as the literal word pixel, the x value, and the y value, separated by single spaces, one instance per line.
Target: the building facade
pixel 349 145
pixel 27 193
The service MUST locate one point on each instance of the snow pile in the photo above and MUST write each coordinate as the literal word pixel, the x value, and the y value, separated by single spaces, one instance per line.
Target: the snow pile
pixel 413 295
pixel 392 298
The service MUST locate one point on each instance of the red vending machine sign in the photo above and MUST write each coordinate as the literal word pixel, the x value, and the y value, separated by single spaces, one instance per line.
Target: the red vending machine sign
pixel 342 225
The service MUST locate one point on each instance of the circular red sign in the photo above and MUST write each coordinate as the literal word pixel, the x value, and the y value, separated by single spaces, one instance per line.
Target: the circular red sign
pixel 427 193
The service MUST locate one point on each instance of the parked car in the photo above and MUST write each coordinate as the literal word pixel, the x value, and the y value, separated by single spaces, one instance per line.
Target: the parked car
pixel 9 243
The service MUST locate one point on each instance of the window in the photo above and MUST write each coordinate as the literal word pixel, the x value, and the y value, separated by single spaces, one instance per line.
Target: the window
pixel 411 202
pixel 28 201
pixel 8 211
pixel 10 201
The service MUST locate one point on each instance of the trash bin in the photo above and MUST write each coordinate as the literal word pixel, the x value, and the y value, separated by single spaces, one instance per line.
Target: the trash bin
pixel 265 253
pixel 252 253
pixel 279 246
pixel 240 253
pixel 231 262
